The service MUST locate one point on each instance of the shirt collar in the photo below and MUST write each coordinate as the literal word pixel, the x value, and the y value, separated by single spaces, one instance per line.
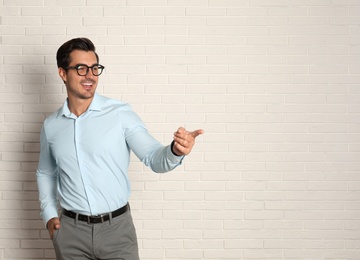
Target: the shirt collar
pixel 96 103
pixel 94 106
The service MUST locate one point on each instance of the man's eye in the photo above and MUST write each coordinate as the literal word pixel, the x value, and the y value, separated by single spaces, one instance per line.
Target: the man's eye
pixel 81 68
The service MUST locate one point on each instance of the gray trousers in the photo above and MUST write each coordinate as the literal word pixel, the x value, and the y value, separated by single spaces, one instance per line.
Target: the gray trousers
pixel 114 239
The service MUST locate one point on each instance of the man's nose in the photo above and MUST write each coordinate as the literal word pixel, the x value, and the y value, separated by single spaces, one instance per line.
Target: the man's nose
pixel 89 73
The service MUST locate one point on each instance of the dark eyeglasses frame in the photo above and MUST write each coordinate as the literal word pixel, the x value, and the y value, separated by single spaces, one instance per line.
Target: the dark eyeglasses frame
pixel 77 67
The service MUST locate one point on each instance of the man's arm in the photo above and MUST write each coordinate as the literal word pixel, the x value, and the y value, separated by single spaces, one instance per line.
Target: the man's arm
pixel 158 157
pixel 150 151
pixel 47 181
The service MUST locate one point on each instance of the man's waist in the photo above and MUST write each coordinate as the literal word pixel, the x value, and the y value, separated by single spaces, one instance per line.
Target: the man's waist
pixel 94 219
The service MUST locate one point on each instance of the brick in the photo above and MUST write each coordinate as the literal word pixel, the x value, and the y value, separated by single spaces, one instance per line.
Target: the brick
pixel 210 11
pixel 82 12
pixel 33 244
pixel 9 243
pixel 229 254
pixel 187 3
pixel 183 21
pixel 164 11
pixel 16 20
pixel 178 254
pixel 167 30
pixel 40 11
pixel 112 3
pixel 203 224
pixel 182 234
pixel 23 254
pixel 203 244
pixel 62 21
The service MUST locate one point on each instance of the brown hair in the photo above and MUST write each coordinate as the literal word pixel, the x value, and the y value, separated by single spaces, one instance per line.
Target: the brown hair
pixel 63 53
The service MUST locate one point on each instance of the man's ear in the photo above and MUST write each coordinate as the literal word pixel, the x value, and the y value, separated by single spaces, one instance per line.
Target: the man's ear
pixel 62 74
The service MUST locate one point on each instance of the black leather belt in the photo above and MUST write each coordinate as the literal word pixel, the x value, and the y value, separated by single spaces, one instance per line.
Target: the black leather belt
pixel 99 218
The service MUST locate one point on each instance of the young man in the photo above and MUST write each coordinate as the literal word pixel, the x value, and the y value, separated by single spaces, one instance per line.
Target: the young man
pixel 84 159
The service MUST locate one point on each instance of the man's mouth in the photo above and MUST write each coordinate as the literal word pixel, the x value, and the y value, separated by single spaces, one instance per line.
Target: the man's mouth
pixel 87 84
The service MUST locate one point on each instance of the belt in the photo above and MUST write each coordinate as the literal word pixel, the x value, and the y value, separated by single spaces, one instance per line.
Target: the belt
pixel 99 218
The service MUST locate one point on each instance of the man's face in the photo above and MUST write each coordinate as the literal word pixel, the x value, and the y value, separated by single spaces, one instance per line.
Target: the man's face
pixel 80 87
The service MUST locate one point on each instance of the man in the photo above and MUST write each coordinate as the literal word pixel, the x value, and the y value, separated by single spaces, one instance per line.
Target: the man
pixel 84 159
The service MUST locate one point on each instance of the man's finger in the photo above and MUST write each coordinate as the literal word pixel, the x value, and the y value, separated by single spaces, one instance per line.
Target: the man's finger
pixel 181 130
pixel 196 133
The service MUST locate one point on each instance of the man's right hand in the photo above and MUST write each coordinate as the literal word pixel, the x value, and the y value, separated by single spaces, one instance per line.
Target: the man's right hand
pixel 53 225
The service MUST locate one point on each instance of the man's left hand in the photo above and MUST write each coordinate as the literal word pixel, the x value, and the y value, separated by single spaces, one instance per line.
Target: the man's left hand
pixel 185 140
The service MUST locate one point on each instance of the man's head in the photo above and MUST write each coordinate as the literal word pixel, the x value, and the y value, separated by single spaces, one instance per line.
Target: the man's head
pixel 79 68
pixel 63 54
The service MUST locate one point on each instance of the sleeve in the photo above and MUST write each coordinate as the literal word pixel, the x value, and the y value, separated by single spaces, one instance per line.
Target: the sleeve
pixel 47 180
pixel 153 154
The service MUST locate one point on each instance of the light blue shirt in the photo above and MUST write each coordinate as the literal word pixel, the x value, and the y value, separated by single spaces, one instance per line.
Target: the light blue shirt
pixel 84 160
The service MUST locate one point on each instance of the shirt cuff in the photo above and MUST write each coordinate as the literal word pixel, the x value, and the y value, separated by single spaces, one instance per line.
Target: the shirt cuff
pixel 49 215
pixel 176 159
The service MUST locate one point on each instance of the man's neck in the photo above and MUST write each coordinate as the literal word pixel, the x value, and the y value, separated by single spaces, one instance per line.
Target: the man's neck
pixel 79 106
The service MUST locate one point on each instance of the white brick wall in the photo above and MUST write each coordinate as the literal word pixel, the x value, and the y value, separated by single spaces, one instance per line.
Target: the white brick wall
pixel 275 84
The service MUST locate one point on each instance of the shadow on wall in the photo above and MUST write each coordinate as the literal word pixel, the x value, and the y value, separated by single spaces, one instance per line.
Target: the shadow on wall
pixel 34 91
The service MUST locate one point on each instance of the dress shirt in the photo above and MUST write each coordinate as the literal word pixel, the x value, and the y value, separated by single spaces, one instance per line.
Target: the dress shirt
pixel 84 160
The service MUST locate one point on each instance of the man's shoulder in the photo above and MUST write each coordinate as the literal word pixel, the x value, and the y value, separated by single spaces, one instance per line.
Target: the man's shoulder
pixel 53 116
pixel 112 103
pixel 123 110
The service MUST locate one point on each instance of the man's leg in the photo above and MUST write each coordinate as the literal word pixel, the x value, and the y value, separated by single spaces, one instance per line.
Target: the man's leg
pixel 116 239
pixel 73 240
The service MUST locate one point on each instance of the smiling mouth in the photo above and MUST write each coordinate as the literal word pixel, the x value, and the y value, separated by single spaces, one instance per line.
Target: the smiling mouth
pixel 87 85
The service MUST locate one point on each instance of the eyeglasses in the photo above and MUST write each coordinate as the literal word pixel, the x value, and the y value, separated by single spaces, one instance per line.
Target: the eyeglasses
pixel 83 69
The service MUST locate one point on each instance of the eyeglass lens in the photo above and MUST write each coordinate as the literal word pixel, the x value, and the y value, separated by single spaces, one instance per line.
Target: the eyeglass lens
pixel 96 70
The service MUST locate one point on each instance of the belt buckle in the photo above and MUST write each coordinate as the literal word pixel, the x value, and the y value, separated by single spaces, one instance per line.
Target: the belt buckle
pixel 101 217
